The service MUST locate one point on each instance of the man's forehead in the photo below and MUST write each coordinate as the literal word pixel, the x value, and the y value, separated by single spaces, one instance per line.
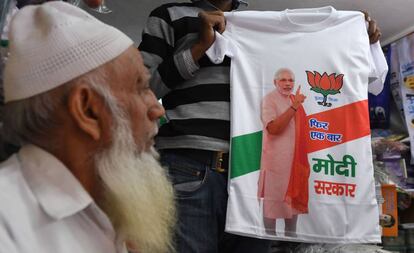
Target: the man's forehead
pixel 134 59
pixel 286 73
pixel 134 56
pixel 138 61
pixel 142 72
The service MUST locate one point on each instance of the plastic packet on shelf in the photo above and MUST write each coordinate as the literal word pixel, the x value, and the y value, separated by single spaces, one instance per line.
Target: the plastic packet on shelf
pixel 311 248
pixel 390 166
pixel 343 248
pixel 388 148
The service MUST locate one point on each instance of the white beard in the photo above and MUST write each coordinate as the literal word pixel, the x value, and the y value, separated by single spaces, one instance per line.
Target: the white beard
pixel 138 197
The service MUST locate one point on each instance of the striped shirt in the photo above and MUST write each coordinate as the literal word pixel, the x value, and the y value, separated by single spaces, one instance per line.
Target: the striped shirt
pixel 196 96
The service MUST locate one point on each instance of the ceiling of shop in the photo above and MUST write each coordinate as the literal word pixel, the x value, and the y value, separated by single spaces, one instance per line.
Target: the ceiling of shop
pixel 395 17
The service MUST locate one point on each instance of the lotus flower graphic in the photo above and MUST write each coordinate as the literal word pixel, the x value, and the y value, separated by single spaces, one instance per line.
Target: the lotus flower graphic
pixel 325 84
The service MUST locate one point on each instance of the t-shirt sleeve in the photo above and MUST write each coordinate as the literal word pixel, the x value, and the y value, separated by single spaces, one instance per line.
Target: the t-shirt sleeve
pixel 167 65
pixel 222 46
pixel 379 69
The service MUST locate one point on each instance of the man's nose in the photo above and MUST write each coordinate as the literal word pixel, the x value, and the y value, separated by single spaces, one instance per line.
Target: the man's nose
pixel 156 110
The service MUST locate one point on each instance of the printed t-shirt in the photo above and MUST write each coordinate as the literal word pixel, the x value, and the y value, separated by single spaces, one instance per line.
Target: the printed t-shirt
pixel 333 62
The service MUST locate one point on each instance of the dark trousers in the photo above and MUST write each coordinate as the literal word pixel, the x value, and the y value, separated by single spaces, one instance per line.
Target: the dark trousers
pixel 201 194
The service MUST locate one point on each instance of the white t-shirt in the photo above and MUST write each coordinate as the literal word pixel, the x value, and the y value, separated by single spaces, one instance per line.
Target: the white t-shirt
pixel 329 53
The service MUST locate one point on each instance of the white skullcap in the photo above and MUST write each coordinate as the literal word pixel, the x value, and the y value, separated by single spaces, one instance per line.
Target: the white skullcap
pixel 53 43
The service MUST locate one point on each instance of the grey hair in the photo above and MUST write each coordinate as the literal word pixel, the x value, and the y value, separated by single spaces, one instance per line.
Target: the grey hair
pixel 25 121
pixel 283 70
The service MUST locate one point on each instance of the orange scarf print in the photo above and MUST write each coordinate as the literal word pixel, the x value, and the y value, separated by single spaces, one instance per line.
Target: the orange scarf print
pixel 297 194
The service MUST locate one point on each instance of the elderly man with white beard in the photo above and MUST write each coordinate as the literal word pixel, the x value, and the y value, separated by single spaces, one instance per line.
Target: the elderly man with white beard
pixel 86 179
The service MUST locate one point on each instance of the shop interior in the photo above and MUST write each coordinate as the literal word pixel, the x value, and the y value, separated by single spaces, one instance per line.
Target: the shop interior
pixel 391 112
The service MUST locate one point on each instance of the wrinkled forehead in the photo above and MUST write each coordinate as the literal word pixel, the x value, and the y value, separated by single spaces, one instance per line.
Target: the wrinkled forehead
pixel 138 61
pixel 133 57
pixel 133 60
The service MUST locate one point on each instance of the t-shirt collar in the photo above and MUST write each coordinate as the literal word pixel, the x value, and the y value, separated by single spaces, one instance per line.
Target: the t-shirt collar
pixel 326 18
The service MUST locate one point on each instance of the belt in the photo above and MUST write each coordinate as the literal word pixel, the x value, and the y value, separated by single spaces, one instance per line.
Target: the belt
pixel 217 160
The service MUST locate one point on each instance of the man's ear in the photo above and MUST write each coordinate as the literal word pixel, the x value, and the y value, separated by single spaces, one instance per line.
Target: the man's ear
pixel 85 107
pixel 274 81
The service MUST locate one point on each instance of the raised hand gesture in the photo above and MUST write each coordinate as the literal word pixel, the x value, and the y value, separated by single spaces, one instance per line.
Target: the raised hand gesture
pixel 298 99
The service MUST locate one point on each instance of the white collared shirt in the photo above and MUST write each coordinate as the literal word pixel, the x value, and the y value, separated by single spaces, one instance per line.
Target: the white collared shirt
pixel 44 209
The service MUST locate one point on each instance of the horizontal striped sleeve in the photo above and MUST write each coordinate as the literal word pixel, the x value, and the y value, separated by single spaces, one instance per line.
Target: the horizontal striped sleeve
pixel 158 41
pixel 169 73
pixel 216 110
pixel 207 92
pixel 192 141
pixel 195 95
pixel 156 46
pixel 208 75
pixel 159 28
pixel 179 12
pixel 156 84
pixel 185 64
pixel 205 127
pixel 186 25
pixel 186 42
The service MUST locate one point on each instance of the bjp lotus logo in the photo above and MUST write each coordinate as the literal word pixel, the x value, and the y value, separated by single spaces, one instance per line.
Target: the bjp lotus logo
pixel 325 84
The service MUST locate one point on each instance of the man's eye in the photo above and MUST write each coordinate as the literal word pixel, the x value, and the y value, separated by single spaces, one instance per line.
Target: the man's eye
pixel 143 90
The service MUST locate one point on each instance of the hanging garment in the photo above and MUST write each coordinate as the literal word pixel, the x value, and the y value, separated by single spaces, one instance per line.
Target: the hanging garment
pixel 403 67
pixel 379 105
pixel 313 182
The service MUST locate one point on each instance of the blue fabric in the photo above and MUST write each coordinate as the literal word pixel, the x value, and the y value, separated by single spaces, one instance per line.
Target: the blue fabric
pixel 201 200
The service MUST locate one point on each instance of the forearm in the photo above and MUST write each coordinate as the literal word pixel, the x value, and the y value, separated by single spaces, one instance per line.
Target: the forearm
pixel 197 51
pixel 278 125
pixel 168 68
pixel 170 71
